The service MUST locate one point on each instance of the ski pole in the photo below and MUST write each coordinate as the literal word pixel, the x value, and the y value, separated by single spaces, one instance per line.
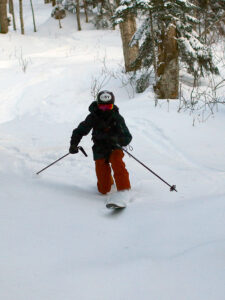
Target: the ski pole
pixel 172 187
pixel 79 148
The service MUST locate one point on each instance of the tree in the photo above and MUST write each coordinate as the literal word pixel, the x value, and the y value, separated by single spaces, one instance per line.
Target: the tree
pixel 32 9
pixel 85 11
pixel 11 10
pixel 78 14
pixel 103 10
pixel 3 17
pixel 74 7
pixel 127 30
pixel 212 16
pixel 166 37
pixel 127 23
pixel 21 16
pixel 167 84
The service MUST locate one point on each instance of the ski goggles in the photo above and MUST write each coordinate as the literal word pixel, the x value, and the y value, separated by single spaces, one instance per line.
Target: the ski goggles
pixel 105 107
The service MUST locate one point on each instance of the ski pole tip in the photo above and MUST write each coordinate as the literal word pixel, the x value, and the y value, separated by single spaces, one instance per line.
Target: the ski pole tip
pixel 173 188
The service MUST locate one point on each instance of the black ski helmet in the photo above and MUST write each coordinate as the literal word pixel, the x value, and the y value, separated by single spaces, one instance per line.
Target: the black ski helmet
pixel 105 97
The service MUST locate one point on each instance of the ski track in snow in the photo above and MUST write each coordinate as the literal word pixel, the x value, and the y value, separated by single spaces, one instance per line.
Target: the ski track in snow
pixel 157 138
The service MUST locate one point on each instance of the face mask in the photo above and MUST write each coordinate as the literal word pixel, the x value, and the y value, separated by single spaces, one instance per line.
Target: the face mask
pixel 105 107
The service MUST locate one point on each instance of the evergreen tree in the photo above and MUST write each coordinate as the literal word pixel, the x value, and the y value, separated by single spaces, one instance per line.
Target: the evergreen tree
pixel 156 34
pixel 102 10
pixel 69 5
pixel 72 6
pixel 212 16
pixel 127 30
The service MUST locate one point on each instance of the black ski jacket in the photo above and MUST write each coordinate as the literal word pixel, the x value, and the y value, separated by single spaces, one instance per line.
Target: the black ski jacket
pixel 108 131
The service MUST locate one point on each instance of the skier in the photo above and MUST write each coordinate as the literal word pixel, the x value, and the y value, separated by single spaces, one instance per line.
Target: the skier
pixel 109 134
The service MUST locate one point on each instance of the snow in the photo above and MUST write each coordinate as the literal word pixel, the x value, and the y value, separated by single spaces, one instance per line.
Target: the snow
pixel 58 241
pixel 121 8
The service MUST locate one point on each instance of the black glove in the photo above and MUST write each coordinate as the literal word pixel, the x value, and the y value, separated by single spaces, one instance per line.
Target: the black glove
pixel 114 141
pixel 73 149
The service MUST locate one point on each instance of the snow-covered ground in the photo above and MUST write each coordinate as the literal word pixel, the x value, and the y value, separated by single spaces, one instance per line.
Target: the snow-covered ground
pixel 58 241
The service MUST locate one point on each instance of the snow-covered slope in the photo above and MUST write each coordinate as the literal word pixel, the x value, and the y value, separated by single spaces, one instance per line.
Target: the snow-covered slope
pixel 58 241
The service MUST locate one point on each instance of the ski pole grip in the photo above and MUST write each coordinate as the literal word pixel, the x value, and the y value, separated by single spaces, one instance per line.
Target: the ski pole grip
pixel 82 150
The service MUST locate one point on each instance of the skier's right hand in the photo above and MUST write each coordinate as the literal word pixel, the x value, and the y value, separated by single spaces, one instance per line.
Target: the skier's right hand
pixel 73 149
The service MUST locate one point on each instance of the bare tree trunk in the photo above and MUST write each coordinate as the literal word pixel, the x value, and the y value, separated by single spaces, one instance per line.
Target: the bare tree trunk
pixel 78 14
pixel 11 10
pixel 127 30
pixel 3 17
pixel 85 11
pixel 53 2
pixel 167 85
pixel 205 25
pixel 111 10
pixel 21 16
pixel 153 45
pixel 60 24
pixel 32 9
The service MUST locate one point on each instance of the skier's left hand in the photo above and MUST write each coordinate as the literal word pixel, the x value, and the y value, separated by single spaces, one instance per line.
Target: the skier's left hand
pixel 113 140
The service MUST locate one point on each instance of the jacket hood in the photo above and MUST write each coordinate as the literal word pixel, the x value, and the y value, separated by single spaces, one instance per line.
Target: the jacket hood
pixel 94 107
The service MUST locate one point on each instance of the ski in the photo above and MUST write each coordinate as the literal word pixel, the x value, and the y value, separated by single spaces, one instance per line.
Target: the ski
pixel 115 205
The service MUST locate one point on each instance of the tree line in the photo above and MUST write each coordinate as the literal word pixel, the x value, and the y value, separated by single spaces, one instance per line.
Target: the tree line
pixel 172 35
pixel 7 15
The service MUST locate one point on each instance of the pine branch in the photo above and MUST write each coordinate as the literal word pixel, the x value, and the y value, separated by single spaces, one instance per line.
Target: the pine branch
pixel 211 25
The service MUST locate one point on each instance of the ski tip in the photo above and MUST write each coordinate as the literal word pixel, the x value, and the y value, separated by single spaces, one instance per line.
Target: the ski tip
pixel 115 206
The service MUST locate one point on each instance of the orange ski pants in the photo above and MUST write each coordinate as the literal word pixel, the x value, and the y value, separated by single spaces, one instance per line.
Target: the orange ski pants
pixel 120 173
